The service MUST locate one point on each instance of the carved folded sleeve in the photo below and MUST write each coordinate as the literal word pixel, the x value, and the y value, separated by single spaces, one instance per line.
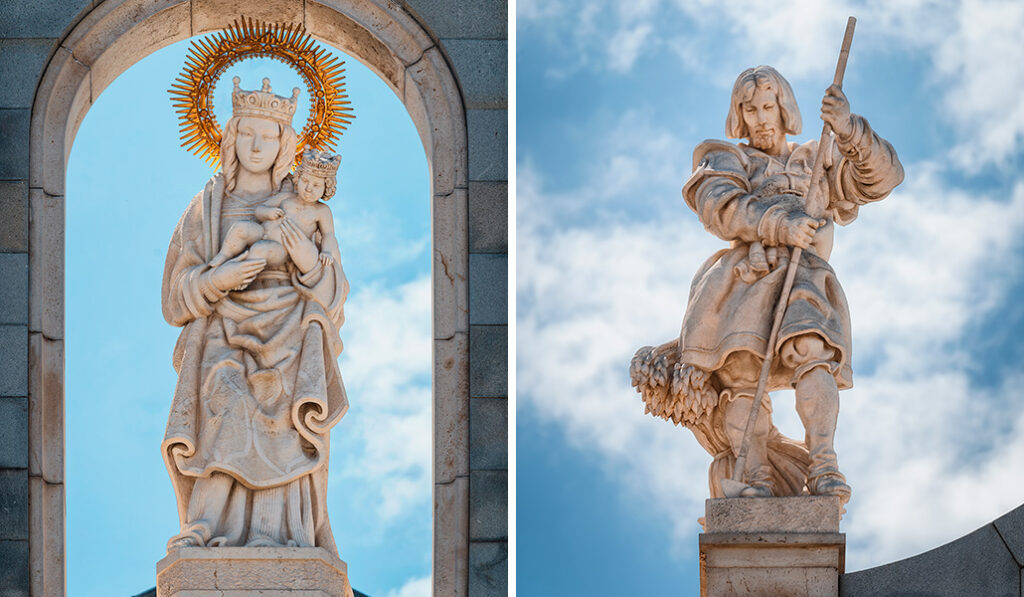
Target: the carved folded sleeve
pixel 866 169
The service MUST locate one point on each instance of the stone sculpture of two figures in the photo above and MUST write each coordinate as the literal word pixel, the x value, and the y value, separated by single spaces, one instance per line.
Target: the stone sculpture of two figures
pixel 254 278
pixel 754 196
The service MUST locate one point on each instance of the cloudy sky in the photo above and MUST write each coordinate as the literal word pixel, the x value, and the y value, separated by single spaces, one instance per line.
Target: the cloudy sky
pixel 128 183
pixel 611 99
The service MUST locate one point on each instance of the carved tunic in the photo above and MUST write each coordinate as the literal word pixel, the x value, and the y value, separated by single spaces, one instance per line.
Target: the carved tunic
pixel 743 196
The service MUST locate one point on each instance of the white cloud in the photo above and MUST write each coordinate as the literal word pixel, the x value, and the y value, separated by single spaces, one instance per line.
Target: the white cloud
pixel 917 439
pixel 625 46
pixel 386 368
pixel 414 587
pixel 973 48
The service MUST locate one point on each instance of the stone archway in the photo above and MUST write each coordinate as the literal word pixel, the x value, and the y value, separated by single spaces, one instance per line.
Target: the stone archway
pixel 385 37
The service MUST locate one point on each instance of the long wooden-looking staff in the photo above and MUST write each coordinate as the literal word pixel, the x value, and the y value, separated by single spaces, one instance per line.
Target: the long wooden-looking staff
pixel 734 486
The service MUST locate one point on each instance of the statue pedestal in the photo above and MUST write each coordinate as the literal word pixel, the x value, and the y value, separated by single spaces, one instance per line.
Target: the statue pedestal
pixel 785 547
pixel 263 571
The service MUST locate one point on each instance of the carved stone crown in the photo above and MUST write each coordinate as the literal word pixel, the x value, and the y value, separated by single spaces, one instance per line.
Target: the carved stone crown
pixel 319 163
pixel 263 103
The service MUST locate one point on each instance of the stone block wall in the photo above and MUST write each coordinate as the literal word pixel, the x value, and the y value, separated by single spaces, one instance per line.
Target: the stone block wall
pixel 473 37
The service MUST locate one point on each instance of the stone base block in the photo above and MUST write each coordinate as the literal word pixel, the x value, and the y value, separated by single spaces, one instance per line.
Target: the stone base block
pixel 241 571
pixel 784 547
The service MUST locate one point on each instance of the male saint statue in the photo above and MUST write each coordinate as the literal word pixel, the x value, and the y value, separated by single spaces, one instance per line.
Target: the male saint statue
pixel 752 195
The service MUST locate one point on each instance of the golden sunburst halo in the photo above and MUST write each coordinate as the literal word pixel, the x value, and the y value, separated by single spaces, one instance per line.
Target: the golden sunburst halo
pixel 209 57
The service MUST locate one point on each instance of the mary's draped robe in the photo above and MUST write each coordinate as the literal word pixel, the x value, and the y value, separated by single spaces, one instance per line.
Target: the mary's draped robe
pixel 258 382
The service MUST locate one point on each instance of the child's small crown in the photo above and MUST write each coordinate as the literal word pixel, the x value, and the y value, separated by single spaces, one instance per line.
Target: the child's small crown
pixel 319 163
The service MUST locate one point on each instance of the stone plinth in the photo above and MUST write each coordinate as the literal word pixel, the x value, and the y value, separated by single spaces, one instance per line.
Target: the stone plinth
pixel 263 571
pixel 784 547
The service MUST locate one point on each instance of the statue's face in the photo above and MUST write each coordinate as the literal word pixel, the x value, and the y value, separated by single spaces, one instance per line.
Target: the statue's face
pixel 257 143
pixel 764 120
pixel 310 188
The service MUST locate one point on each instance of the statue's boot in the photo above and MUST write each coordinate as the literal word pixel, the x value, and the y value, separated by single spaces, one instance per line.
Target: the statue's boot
pixel 758 473
pixel 817 403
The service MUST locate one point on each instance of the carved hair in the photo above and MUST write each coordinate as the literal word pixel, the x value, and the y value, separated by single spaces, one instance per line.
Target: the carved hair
pixel 749 81
pixel 282 163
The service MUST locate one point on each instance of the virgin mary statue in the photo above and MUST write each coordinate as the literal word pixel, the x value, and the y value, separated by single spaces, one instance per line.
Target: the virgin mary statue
pixel 258 382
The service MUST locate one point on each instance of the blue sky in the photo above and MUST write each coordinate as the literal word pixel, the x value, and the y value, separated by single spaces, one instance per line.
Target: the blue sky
pixel 128 183
pixel 611 99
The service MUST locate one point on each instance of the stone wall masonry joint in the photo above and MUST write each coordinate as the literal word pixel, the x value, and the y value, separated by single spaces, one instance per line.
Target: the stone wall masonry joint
pixel 1009 549
pixel 453 480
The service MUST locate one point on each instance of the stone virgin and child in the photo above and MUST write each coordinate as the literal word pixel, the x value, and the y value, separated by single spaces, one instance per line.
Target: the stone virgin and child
pixel 254 280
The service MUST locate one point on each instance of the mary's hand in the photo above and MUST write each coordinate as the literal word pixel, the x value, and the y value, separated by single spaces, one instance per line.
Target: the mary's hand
pixel 236 273
pixel 303 251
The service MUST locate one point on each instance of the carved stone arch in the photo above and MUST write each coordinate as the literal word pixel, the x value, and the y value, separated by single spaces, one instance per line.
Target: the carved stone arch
pixel 381 34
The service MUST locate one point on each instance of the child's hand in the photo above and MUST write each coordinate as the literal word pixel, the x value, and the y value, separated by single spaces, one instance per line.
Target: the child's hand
pixel 266 213
pixel 326 259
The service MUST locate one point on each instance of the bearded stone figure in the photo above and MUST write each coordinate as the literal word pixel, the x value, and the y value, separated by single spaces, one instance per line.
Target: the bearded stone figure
pixel 754 196
pixel 258 383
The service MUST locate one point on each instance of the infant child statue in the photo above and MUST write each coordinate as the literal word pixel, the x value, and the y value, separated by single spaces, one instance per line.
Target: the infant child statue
pixel 315 179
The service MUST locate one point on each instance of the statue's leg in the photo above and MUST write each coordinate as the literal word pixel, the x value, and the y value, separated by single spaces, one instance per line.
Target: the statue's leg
pixel 239 236
pixel 210 510
pixel 739 376
pixel 267 523
pixel 817 403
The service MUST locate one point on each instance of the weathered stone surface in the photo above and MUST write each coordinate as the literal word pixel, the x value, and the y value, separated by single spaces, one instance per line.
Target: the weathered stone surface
pixel 488 433
pixel 387 21
pixel 451 408
pixel 13 503
pixel 488 505
pixel 435 105
pixel 808 514
pixel 325 22
pixel 14 577
pixel 46 542
pixel 488 144
pixel 451 537
pixel 13 432
pixel 488 569
pixel 777 564
pixel 488 289
pixel 14 288
pixel 21 65
pixel 482 68
pixel 1011 528
pixel 46 408
pixel 13 360
pixel 39 18
pixel 488 217
pixel 14 124
pixel 252 570
pixel 473 20
pixel 450 264
pixel 208 15
pixel 977 564
pixel 165 22
pixel 789 547
pixel 14 223
pixel 46 264
pixel 488 361
pixel 62 99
